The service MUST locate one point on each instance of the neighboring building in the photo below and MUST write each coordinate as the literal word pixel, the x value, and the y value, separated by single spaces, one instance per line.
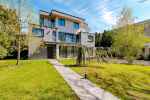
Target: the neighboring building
pixel 146 24
pixel 59 35
pixel 147 34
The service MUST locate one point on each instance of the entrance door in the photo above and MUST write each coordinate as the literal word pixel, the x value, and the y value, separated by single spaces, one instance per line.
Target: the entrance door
pixel 51 51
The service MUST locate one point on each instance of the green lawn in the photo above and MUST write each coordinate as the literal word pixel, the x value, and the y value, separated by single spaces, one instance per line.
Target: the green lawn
pixel 147 40
pixel 129 82
pixel 32 80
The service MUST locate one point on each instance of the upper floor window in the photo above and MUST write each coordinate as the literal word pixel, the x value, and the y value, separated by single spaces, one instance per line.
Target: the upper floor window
pixel 52 23
pixel 54 36
pixel 61 22
pixel 76 25
pixel 38 32
pixel 42 21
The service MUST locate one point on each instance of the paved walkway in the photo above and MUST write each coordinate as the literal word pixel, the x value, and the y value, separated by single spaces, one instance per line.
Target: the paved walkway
pixel 82 87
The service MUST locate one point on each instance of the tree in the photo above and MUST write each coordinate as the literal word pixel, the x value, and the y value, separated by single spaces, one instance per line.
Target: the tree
pixel 23 18
pixel 125 17
pixel 106 40
pixel 129 38
pixel 98 38
pixel 9 27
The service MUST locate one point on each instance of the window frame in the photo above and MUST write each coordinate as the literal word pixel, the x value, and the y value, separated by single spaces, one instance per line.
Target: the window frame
pixel 62 22
pixel 34 32
pixel 76 25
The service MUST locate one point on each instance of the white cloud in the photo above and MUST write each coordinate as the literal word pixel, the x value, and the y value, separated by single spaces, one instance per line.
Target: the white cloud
pixel 108 16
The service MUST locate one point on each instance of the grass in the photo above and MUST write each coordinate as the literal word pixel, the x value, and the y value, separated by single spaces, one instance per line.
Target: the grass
pixel 147 40
pixel 129 82
pixel 32 80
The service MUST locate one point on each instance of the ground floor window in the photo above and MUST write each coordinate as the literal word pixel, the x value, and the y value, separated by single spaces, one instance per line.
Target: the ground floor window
pixel 67 51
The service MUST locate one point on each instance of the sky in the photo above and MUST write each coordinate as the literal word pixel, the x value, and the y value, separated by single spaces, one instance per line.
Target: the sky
pixel 99 14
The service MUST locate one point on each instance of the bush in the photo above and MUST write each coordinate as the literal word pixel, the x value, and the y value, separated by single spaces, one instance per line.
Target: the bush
pixel 13 55
pixel 3 52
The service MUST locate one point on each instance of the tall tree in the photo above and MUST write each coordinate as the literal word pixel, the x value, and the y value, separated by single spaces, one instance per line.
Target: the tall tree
pixel 98 37
pixel 125 17
pixel 9 27
pixel 106 40
pixel 129 38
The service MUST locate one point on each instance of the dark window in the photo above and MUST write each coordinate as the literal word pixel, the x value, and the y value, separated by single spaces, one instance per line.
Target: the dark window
pixel 41 21
pixel 76 25
pixel 90 38
pixel 62 36
pixel 61 22
pixel 54 35
pixel 38 32
pixel 52 23
pixel 78 38
pixel 47 23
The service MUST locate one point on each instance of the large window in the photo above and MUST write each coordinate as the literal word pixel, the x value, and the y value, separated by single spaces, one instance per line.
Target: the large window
pixel 38 32
pixel 76 25
pixel 61 22
pixel 67 37
pixel 70 38
pixel 62 36
pixel 47 22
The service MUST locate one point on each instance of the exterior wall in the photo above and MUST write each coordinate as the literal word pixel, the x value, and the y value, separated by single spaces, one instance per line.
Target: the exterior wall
pixel 69 26
pixel 147 30
pixel 34 43
pixel 84 27
pixel 35 50
pixel 48 35
pixel 85 40
pixel 147 34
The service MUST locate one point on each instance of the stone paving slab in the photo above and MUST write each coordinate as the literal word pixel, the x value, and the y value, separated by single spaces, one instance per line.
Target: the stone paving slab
pixel 84 89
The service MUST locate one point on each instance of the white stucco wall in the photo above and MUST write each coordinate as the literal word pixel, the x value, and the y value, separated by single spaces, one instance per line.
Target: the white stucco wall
pixel 48 37
pixel 69 26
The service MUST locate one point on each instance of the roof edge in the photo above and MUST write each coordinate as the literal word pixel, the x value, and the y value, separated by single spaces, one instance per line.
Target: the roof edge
pixel 53 10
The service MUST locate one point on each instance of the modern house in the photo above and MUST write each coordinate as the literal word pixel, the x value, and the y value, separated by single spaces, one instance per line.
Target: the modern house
pixel 59 35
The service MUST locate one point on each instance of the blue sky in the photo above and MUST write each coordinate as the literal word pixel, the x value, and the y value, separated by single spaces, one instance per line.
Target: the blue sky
pixel 99 14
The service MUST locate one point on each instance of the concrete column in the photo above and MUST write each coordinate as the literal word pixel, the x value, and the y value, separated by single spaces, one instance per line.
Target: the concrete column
pixel 57 36
pixel 57 51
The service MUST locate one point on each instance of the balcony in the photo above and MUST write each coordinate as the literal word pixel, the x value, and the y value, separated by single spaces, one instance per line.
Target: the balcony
pixel 49 35
pixel 48 23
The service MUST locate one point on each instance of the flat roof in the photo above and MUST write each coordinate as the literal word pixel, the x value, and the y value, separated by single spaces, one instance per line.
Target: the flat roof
pixel 53 11
pixel 66 14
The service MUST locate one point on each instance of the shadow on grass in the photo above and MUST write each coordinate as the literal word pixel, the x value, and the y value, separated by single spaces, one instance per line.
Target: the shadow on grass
pixel 74 65
pixel 90 66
